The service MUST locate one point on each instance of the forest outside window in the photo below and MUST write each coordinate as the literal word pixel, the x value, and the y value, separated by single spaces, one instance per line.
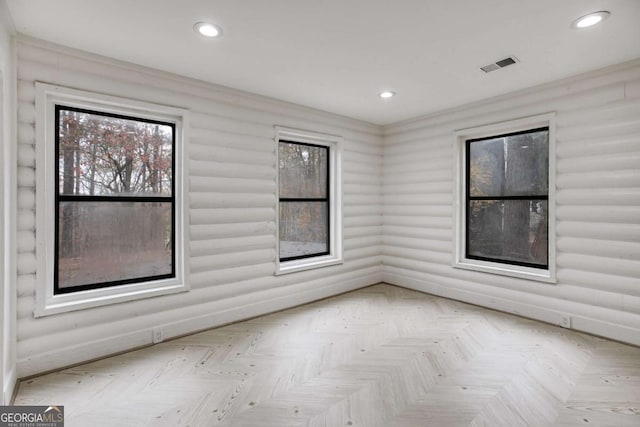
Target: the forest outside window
pixel 505 224
pixel 110 206
pixel 308 206
pixel 115 206
pixel 304 200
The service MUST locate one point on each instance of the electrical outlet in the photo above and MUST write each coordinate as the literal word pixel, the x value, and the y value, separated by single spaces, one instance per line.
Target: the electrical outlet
pixel 565 322
pixel 158 336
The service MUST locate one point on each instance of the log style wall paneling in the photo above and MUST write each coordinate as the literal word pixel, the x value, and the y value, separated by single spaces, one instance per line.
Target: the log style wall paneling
pixel 597 200
pixel 232 157
pixel 398 184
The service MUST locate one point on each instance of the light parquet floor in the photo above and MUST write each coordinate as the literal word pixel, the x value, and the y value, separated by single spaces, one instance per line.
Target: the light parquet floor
pixel 379 356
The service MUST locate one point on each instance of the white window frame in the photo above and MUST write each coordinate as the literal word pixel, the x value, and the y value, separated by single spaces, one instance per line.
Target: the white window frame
pixel 460 260
pixel 47 96
pixel 335 199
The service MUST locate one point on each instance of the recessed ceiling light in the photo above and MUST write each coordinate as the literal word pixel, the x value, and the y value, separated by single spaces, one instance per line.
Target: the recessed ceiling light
pixel 387 94
pixel 590 19
pixel 206 29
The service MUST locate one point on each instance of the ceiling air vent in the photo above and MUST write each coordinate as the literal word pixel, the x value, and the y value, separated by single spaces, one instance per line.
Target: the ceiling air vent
pixel 499 64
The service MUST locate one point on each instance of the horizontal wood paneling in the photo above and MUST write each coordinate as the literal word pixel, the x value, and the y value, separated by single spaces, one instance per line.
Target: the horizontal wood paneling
pixel 398 207
pixel 597 198
pixel 232 211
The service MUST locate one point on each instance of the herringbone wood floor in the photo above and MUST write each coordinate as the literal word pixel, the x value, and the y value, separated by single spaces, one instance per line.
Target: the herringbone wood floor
pixel 380 356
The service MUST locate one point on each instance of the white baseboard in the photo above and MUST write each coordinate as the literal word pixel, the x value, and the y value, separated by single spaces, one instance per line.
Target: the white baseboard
pixel 249 306
pixel 243 307
pixel 590 325
pixel 264 306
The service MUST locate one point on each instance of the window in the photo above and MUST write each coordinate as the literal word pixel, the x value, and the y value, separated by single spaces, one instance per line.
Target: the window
pixel 304 200
pixel 309 225
pixel 505 225
pixel 110 213
pixel 115 215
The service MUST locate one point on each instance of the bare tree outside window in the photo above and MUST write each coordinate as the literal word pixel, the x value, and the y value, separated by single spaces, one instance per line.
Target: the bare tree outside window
pixel 304 200
pixel 115 213
pixel 507 198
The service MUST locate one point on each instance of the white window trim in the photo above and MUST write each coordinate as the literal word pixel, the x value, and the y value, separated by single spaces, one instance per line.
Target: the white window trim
pixel 47 96
pixel 460 260
pixel 335 199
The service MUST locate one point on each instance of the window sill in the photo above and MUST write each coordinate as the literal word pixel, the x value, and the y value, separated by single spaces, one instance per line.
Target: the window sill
pixel 546 276
pixel 62 303
pixel 307 264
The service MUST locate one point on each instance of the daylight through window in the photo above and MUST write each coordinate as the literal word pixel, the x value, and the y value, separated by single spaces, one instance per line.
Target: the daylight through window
pixel 114 201
pixel 507 198
pixel 304 225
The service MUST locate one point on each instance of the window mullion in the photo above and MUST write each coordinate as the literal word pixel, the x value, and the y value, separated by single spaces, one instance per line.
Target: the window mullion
pixel 519 197
pixel 114 199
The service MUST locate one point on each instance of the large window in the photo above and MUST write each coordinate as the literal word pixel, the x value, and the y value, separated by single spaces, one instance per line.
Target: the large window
pixel 114 209
pixel 505 218
pixel 507 198
pixel 110 219
pixel 309 224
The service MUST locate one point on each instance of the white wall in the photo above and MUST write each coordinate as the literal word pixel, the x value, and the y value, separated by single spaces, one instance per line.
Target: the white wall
pixel 232 208
pixel 232 211
pixel 597 199
pixel 7 194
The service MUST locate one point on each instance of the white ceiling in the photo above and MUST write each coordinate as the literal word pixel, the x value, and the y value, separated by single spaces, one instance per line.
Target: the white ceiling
pixel 336 55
